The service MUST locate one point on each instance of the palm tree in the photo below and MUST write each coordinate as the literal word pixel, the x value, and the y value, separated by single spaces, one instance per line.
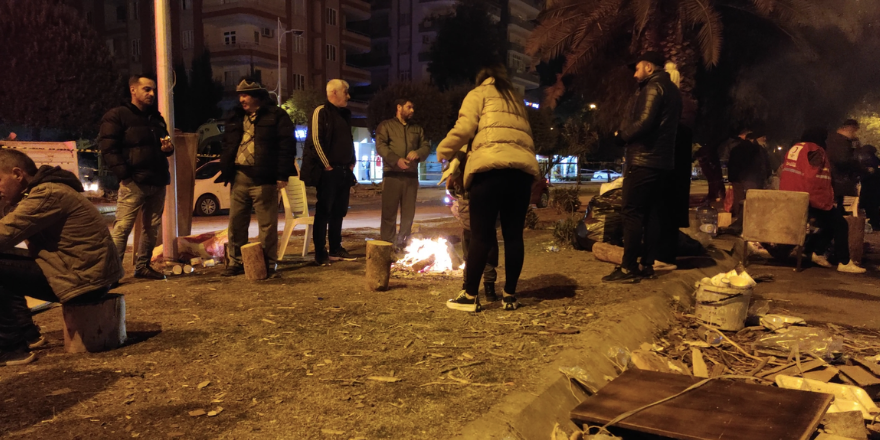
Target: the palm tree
pixel 686 31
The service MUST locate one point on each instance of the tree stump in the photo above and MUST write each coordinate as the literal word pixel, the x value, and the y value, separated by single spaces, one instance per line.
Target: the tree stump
pixel 254 261
pixel 379 259
pixel 94 326
pixel 856 238
pixel 608 253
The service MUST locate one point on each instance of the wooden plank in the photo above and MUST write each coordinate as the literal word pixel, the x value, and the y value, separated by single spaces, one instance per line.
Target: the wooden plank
pixel 871 366
pixel 859 375
pixel 724 409
pixel 823 375
pixel 792 369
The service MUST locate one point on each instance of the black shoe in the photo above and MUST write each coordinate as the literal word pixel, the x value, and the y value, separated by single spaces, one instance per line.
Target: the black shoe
pixel 341 254
pixel 17 356
pixel 621 275
pixel 148 273
pixel 490 292
pixel 232 271
pixel 509 302
pixel 273 274
pixel 647 272
pixel 463 303
pixel 322 260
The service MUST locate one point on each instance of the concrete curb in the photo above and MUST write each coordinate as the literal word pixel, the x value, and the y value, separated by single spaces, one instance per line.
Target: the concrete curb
pixel 525 415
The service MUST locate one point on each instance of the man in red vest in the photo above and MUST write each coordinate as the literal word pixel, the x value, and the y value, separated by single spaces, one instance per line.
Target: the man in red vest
pixel 806 169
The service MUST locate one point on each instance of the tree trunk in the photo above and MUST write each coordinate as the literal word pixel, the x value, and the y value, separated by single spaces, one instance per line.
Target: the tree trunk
pixel 379 259
pixel 96 326
pixel 608 253
pixel 254 261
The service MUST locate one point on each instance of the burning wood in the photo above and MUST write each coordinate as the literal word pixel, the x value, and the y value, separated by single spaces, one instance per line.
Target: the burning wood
pixel 430 256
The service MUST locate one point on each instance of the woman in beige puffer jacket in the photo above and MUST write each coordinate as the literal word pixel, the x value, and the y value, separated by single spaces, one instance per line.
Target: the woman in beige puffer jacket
pixel 501 167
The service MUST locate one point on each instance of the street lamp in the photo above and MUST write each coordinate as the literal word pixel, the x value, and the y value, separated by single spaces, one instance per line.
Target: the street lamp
pixel 278 34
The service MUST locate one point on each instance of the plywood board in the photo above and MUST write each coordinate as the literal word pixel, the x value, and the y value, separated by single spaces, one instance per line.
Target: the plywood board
pixel 823 375
pixel 724 409
pixel 860 376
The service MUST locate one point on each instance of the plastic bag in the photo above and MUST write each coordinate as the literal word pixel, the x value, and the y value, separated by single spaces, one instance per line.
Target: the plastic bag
pixel 602 222
pixel 776 322
pixel 580 375
pixel 807 339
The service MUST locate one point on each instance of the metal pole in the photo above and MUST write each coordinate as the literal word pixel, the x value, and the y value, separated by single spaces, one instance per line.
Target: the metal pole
pixel 166 106
pixel 278 87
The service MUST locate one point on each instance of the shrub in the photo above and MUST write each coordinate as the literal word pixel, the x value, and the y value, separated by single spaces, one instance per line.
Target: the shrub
pixel 531 219
pixel 565 199
pixel 565 232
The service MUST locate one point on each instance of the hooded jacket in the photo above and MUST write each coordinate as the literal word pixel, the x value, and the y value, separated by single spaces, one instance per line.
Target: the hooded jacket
pixel 131 142
pixel 650 137
pixel 274 149
pixel 65 233
pixel 502 137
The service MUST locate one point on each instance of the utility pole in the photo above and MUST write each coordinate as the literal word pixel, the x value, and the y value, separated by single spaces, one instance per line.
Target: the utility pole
pixel 166 107
pixel 280 32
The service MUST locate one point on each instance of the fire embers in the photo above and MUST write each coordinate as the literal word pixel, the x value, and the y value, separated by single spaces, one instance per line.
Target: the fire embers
pixel 430 256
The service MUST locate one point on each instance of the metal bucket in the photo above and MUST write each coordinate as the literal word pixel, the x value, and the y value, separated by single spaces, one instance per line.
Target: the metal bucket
pixel 725 307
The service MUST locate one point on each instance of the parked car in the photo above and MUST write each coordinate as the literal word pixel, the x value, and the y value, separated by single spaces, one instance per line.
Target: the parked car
pixel 210 197
pixel 540 194
pixel 605 176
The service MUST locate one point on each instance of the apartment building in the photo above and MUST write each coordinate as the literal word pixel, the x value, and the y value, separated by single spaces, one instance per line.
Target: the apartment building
pixel 403 30
pixel 242 37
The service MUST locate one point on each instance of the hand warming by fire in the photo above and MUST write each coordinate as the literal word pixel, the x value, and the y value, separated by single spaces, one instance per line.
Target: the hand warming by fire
pixel 430 256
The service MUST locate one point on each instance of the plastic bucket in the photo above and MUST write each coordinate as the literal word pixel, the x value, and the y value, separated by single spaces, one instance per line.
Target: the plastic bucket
pixel 725 307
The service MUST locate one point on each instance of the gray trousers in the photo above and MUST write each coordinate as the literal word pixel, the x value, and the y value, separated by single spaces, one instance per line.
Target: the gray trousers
pixel 398 191
pixel 245 194
pixel 150 200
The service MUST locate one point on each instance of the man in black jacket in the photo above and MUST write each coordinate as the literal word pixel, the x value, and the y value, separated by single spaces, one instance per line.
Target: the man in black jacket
pixel 845 166
pixel 650 159
pixel 258 159
pixel 134 142
pixel 328 160
pixel 402 145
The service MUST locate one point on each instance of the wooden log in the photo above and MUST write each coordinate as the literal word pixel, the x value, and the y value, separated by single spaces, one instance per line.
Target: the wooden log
pixel 254 261
pixel 95 326
pixel 856 238
pixel 608 253
pixel 379 259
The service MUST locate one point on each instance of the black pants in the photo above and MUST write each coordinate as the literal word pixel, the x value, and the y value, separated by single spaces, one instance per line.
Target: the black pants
pixel 399 190
pixel 506 192
pixel 490 275
pixel 20 276
pixel 831 225
pixel 642 214
pixel 333 194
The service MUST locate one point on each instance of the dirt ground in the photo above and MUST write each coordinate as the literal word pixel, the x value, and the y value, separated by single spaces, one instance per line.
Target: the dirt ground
pixel 293 358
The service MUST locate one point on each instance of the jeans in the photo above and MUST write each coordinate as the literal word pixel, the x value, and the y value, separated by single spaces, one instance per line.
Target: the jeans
pixel 398 191
pixel 20 276
pixel 642 214
pixel 831 225
pixel 150 200
pixel 507 192
pixel 334 190
pixel 244 195
pixel 490 275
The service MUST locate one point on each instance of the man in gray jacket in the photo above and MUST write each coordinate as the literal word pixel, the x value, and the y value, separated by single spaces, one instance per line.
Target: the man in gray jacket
pixel 70 255
pixel 402 146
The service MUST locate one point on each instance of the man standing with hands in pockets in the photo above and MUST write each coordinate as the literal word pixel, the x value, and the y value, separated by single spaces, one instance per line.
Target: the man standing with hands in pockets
pixel 402 145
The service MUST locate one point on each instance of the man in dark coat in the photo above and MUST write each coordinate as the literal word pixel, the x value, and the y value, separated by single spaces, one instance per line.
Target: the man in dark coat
pixel 748 169
pixel 845 166
pixel 134 142
pixel 650 160
pixel 869 198
pixel 258 159
pixel 328 161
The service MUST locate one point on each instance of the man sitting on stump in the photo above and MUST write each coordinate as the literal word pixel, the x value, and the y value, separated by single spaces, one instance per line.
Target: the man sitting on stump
pixel 70 256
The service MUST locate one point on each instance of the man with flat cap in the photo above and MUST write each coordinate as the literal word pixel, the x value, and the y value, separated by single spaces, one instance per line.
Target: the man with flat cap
pixel 650 159
pixel 257 159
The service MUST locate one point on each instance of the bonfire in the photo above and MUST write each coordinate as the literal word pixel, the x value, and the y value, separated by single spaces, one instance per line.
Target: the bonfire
pixel 430 256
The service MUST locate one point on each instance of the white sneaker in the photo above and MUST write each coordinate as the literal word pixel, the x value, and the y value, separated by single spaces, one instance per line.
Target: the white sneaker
pixel 850 268
pixel 822 261
pixel 660 266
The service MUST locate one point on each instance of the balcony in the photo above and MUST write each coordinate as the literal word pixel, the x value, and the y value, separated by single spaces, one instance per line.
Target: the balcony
pixel 529 80
pixel 355 42
pixel 356 10
pixel 264 8
pixel 355 76
pixel 526 25
pixel 242 53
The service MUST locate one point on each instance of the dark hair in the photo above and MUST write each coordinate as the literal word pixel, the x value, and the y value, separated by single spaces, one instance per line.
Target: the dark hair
pixel 10 159
pixel 135 79
pixel 850 123
pixel 504 87
pixel 816 135
pixel 401 102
